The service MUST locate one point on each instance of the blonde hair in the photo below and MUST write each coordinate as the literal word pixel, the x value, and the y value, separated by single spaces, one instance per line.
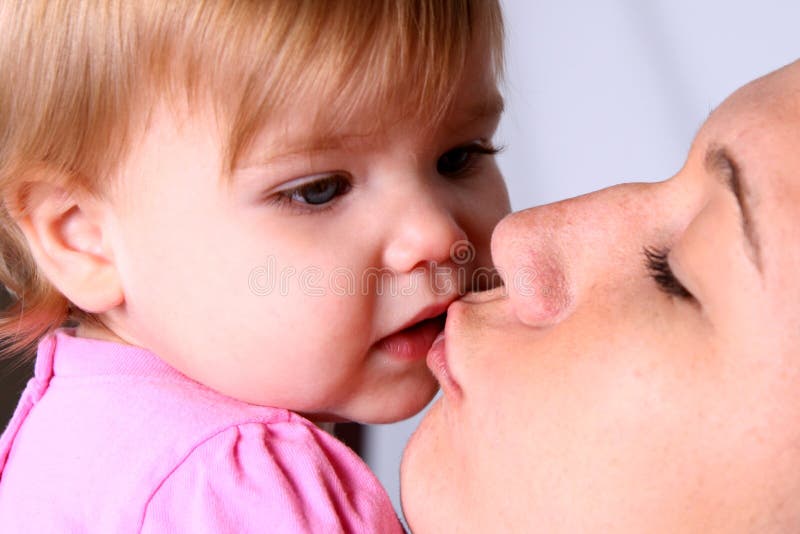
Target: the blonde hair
pixel 79 78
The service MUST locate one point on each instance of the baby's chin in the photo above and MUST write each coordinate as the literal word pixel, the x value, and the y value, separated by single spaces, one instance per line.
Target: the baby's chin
pixel 388 408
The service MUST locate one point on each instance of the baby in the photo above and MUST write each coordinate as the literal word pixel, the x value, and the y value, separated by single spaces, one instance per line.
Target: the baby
pixel 223 220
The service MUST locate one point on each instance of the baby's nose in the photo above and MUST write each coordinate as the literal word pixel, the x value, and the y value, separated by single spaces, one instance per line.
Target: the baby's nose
pixel 425 232
pixel 532 267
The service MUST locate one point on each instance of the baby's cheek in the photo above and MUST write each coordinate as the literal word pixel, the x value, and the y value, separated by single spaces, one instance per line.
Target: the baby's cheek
pixel 479 231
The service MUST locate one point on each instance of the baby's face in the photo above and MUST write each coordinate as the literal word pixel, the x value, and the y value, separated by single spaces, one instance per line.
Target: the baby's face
pixel 312 281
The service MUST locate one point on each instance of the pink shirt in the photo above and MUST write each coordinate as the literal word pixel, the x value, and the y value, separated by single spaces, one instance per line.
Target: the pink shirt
pixel 108 438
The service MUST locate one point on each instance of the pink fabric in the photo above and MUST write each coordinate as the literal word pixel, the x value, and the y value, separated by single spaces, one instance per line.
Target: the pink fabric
pixel 108 438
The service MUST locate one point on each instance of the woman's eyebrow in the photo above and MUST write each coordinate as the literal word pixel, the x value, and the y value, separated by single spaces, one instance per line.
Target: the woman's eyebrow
pixel 719 161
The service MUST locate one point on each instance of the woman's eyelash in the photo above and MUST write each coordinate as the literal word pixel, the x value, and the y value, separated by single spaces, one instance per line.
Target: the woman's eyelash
pixel 657 263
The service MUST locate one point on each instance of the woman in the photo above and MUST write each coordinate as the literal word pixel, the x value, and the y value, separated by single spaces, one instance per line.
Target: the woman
pixel 640 370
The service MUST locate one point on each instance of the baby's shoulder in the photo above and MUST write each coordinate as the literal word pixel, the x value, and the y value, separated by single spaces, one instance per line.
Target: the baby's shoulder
pixel 287 474
pixel 238 467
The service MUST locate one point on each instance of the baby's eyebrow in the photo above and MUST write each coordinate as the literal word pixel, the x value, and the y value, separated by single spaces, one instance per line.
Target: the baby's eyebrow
pixel 719 161
pixel 285 149
pixel 490 106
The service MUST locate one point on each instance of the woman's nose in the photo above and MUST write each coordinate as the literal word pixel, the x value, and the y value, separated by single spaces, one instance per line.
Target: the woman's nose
pixel 551 257
pixel 531 264
pixel 425 233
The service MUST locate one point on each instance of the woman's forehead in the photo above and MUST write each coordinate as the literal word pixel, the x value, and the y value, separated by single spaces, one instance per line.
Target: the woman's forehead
pixel 757 130
pixel 760 124
pixel 774 99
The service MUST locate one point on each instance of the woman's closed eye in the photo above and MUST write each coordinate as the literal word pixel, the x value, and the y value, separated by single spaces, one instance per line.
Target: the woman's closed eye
pixel 459 161
pixel 657 263
pixel 314 193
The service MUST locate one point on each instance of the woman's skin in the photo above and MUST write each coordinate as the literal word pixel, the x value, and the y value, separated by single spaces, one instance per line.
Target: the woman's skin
pixel 586 397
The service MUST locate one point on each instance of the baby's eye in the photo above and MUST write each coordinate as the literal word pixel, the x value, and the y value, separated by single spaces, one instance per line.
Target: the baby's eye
pixel 462 159
pixel 657 263
pixel 318 192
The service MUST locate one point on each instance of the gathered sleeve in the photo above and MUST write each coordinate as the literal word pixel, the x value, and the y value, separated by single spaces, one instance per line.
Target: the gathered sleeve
pixel 276 477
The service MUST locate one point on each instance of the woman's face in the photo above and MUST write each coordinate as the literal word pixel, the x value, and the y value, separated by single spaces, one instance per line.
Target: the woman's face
pixel 640 371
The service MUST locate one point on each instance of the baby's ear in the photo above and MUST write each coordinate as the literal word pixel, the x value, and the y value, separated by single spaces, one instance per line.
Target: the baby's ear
pixel 68 235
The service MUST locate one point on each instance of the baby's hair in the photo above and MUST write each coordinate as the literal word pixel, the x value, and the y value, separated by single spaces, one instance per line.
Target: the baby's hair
pixel 80 79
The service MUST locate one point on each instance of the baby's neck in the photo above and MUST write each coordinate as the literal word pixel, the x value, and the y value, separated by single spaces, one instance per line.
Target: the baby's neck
pixel 98 332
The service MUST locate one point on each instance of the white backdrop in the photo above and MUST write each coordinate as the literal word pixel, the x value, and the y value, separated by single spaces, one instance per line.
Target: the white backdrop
pixel 602 92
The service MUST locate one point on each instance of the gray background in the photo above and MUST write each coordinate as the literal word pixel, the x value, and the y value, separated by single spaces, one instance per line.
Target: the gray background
pixel 604 92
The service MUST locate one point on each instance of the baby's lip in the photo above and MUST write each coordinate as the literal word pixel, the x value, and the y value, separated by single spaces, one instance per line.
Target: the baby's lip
pixel 413 339
pixel 479 297
pixel 429 312
pixel 413 343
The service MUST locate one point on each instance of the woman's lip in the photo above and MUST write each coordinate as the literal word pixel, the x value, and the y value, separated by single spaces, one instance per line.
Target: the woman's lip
pixel 437 363
pixel 412 343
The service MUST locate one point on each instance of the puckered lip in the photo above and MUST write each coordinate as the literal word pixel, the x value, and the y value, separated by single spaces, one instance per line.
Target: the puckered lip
pixel 438 362
pixel 443 356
